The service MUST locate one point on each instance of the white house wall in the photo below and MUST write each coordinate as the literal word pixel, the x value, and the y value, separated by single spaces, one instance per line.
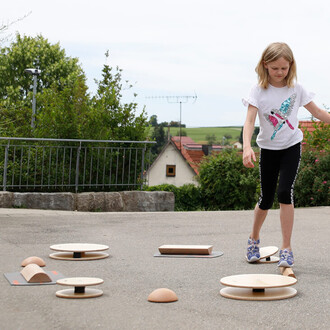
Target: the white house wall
pixel 170 156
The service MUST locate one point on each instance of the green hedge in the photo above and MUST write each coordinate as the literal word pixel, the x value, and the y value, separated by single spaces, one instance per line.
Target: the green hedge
pixel 187 197
pixel 225 184
pixel 312 186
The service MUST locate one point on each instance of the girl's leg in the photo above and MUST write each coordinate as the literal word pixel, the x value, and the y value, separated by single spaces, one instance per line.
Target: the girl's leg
pixel 269 167
pixel 286 216
pixel 259 218
pixel 288 173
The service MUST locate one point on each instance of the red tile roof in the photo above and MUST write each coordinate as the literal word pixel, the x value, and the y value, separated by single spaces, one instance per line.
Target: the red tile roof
pixel 191 151
pixel 308 125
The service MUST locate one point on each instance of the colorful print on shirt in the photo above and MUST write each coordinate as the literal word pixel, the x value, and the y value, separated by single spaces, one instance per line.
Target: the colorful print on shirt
pixel 278 117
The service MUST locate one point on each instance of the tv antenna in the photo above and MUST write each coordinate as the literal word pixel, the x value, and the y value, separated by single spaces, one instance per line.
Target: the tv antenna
pixel 176 99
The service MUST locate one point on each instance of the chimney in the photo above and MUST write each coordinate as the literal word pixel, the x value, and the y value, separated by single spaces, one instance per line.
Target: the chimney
pixel 206 149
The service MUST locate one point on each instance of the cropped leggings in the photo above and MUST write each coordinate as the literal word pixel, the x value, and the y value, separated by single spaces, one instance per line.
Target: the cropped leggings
pixel 278 166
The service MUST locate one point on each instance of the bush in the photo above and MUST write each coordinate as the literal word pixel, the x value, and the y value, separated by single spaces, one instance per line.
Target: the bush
pixel 313 181
pixel 187 197
pixel 226 184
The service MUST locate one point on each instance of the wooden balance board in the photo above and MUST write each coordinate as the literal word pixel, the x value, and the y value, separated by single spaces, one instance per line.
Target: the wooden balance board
pixel 80 290
pixel 79 251
pixel 258 287
pixel 186 249
pixel 267 255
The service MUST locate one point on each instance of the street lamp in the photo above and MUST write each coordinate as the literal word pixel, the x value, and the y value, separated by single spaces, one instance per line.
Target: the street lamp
pixel 35 73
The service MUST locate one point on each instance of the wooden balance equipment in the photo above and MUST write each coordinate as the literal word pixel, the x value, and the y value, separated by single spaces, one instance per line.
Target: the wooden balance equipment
pixel 79 251
pixel 258 287
pixel 80 290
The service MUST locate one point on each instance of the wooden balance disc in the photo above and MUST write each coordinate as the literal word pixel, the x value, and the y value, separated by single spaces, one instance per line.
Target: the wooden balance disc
pixel 267 254
pixel 79 251
pixel 80 290
pixel 258 287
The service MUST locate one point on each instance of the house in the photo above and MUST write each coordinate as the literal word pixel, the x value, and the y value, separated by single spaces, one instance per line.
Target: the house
pixel 237 145
pixel 178 162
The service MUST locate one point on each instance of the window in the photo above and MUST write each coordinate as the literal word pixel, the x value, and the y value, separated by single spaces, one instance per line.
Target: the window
pixel 170 170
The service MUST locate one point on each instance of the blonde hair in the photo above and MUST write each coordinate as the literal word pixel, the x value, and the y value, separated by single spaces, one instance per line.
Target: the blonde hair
pixel 272 53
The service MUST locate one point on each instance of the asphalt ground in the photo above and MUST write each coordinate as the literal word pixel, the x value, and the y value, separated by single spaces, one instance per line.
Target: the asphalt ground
pixel 131 272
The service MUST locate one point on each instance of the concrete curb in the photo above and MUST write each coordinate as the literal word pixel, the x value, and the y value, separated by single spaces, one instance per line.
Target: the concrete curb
pixel 126 201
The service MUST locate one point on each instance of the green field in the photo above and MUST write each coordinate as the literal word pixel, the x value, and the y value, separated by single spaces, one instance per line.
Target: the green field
pixel 198 134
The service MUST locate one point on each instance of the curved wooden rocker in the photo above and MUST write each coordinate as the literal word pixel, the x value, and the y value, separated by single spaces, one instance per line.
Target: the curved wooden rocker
pixel 286 271
pixel 35 274
pixel 33 260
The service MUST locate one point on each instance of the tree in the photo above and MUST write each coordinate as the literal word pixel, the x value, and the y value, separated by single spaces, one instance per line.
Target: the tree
pixel 211 139
pixel 57 72
pixel 65 113
pixel 153 121
pixel 110 118
pixel 158 135
pixel 64 107
pixel 181 132
pixel 28 52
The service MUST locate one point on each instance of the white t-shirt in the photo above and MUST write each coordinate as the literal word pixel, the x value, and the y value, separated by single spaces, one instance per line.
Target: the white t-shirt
pixel 278 114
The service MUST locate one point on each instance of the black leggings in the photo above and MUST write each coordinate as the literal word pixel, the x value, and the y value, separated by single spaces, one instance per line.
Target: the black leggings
pixel 278 163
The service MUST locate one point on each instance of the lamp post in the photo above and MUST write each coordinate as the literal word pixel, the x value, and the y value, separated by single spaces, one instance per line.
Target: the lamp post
pixel 35 73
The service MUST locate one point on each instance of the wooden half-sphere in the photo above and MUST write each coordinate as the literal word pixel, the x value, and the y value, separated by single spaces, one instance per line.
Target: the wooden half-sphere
pixel 162 295
pixel 33 260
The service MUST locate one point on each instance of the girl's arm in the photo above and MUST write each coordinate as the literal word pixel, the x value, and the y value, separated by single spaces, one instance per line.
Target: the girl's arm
pixel 248 153
pixel 317 112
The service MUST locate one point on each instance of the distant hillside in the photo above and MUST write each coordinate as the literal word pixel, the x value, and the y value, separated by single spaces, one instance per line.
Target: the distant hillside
pixel 198 134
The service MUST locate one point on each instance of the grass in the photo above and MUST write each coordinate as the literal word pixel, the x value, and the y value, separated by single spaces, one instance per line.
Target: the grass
pixel 198 134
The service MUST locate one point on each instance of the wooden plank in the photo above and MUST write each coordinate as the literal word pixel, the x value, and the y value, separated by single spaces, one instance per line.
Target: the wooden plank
pixel 185 249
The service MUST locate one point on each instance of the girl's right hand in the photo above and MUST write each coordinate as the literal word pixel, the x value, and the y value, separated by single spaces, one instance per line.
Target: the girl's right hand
pixel 248 156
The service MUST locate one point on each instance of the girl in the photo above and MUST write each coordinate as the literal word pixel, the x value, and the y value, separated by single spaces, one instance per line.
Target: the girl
pixel 276 99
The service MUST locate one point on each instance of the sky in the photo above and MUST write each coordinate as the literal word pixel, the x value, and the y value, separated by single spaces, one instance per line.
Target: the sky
pixel 201 53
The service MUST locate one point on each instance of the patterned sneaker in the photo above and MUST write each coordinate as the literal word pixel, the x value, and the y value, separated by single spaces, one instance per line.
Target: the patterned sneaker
pixel 286 258
pixel 252 253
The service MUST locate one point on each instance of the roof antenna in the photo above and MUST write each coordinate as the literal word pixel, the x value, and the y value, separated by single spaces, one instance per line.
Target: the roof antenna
pixel 176 99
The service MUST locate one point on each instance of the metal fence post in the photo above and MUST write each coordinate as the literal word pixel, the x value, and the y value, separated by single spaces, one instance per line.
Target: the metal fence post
pixel 77 167
pixel 5 168
pixel 142 166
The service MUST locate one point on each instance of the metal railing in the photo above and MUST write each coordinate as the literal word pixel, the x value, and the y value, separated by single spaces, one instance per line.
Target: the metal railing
pixel 81 165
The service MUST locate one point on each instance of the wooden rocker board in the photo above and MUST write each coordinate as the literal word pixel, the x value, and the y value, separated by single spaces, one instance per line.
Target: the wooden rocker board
pixel 185 249
pixel 33 273
pixel 267 255
pixel 80 291
pixel 286 271
pixel 258 287
pixel 79 251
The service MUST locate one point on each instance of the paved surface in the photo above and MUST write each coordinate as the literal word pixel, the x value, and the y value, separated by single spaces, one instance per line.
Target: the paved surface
pixel 131 272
